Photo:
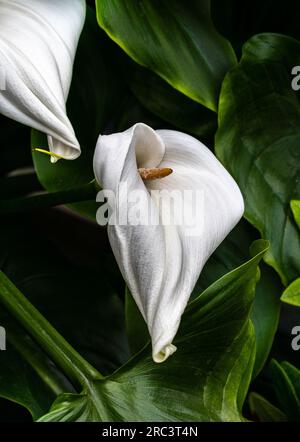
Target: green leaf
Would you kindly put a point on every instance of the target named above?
(206, 379)
(264, 410)
(95, 95)
(19, 383)
(266, 307)
(28, 376)
(45, 200)
(167, 103)
(80, 303)
(291, 295)
(133, 112)
(177, 42)
(294, 375)
(258, 142)
(265, 315)
(62, 291)
(231, 253)
(295, 206)
(285, 381)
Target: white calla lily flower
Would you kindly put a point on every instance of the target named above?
(38, 42)
(161, 263)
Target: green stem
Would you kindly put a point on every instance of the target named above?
(38, 360)
(62, 353)
(45, 200)
(18, 185)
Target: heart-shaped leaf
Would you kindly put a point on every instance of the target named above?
(258, 141)
(266, 307)
(176, 40)
(206, 379)
(167, 103)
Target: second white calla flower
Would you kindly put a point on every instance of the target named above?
(161, 263)
(38, 41)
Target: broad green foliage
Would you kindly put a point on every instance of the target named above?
(291, 295)
(179, 43)
(170, 105)
(170, 65)
(284, 379)
(74, 299)
(206, 379)
(264, 410)
(295, 206)
(286, 383)
(258, 141)
(265, 315)
(266, 307)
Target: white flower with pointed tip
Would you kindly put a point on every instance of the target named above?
(161, 263)
(38, 41)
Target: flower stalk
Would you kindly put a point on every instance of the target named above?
(62, 353)
(86, 192)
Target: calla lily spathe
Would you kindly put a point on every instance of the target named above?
(38, 41)
(161, 263)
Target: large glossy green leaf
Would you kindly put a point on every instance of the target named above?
(266, 307)
(175, 39)
(258, 141)
(79, 302)
(167, 103)
(206, 379)
(132, 112)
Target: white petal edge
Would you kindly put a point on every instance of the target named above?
(38, 41)
(165, 352)
(172, 261)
